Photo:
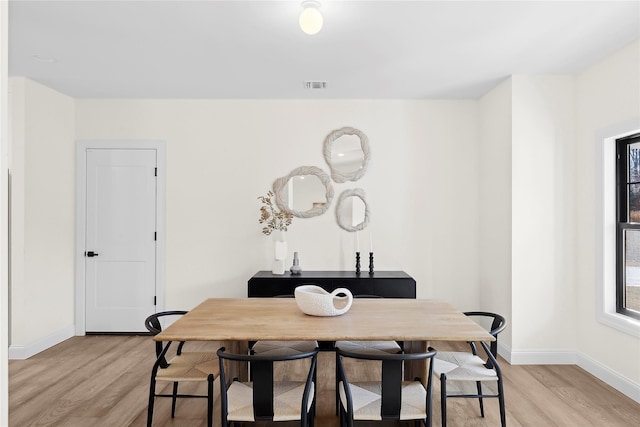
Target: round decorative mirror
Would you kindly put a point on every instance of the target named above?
(346, 151)
(352, 210)
(305, 192)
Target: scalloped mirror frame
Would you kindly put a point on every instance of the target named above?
(366, 150)
(279, 184)
(356, 192)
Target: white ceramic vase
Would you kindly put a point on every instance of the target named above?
(315, 301)
(279, 252)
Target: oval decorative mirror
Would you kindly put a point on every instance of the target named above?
(352, 210)
(347, 152)
(305, 192)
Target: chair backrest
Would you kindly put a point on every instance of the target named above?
(498, 324)
(391, 378)
(262, 373)
(153, 325)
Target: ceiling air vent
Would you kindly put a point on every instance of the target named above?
(315, 85)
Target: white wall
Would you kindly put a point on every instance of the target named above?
(438, 179)
(543, 289)
(42, 165)
(495, 204)
(607, 95)
(223, 154)
(526, 209)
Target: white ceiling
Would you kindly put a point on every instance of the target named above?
(255, 49)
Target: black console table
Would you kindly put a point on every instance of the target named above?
(387, 284)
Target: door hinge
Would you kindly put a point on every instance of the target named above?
(156, 172)
(155, 235)
(155, 300)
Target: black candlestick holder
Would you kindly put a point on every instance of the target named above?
(370, 262)
(357, 262)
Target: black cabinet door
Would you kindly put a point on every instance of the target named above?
(394, 288)
(356, 286)
(271, 287)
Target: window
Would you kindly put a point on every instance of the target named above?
(628, 226)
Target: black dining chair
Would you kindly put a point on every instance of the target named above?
(388, 397)
(367, 347)
(265, 398)
(467, 375)
(185, 366)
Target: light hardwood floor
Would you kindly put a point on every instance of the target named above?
(102, 381)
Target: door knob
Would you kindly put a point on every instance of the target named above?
(90, 254)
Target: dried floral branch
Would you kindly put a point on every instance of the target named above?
(271, 217)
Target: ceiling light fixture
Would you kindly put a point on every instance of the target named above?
(311, 18)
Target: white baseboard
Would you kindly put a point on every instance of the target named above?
(569, 357)
(20, 352)
(542, 357)
(615, 380)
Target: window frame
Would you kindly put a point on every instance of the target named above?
(623, 222)
(605, 229)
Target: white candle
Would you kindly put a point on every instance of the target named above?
(357, 242)
(370, 242)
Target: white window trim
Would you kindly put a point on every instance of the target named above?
(606, 240)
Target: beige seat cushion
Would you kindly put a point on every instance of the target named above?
(463, 370)
(283, 348)
(370, 347)
(190, 367)
(287, 401)
(367, 400)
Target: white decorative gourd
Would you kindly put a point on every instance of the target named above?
(315, 301)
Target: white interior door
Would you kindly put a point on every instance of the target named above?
(120, 249)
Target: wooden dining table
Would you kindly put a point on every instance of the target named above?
(236, 321)
(251, 319)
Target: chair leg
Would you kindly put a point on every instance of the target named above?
(173, 399)
(152, 392)
(343, 422)
(479, 386)
(503, 415)
(443, 398)
(210, 400)
(348, 422)
(337, 390)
